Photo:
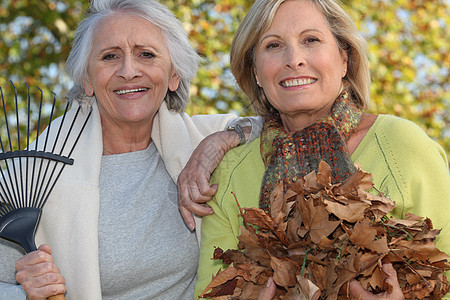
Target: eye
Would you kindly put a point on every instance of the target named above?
(311, 39)
(272, 45)
(147, 54)
(109, 57)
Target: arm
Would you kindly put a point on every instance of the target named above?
(240, 172)
(194, 189)
(218, 230)
(411, 169)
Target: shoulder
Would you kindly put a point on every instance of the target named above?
(236, 157)
(241, 172)
(405, 137)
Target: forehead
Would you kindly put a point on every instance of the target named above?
(298, 13)
(122, 25)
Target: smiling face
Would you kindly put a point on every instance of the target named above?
(299, 65)
(129, 70)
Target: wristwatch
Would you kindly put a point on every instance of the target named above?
(238, 129)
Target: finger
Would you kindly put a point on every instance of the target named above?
(46, 248)
(201, 209)
(43, 293)
(388, 268)
(268, 292)
(41, 281)
(187, 217)
(34, 258)
(357, 291)
(195, 196)
(205, 188)
(392, 280)
(185, 213)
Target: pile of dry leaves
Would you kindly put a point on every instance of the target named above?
(319, 236)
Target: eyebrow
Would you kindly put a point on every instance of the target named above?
(101, 51)
(301, 33)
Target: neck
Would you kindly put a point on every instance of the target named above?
(301, 120)
(124, 139)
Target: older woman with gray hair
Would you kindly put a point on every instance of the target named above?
(112, 220)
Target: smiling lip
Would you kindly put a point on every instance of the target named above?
(127, 91)
(295, 82)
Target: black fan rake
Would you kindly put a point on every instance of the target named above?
(29, 174)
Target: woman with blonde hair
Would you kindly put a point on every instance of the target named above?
(303, 65)
(111, 228)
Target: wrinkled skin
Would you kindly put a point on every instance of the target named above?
(194, 190)
(39, 276)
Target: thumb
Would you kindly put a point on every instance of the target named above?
(268, 292)
(357, 290)
(46, 248)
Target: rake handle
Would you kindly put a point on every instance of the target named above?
(57, 297)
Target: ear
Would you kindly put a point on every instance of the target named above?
(344, 56)
(256, 77)
(174, 81)
(88, 89)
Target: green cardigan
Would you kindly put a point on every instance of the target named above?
(406, 165)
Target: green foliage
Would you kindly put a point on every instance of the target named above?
(409, 46)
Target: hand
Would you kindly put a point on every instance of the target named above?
(194, 190)
(39, 276)
(356, 289)
(268, 292)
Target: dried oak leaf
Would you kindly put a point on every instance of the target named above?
(283, 271)
(366, 237)
(226, 276)
(316, 220)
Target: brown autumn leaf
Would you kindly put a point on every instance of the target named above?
(283, 271)
(366, 237)
(316, 220)
(319, 236)
(351, 212)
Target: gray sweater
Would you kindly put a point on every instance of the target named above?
(146, 250)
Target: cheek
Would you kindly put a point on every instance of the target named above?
(265, 70)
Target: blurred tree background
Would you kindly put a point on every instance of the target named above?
(409, 53)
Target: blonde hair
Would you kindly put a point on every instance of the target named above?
(259, 19)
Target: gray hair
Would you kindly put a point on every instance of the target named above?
(258, 20)
(184, 58)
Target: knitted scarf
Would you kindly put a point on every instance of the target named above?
(290, 156)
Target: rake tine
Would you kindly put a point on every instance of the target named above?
(28, 145)
(60, 128)
(38, 202)
(7, 193)
(21, 192)
(14, 198)
(35, 200)
(32, 191)
(71, 150)
(42, 201)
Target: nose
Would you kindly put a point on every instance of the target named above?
(129, 68)
(295, 57)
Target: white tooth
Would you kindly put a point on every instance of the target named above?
(121, 92)
(298, 82)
